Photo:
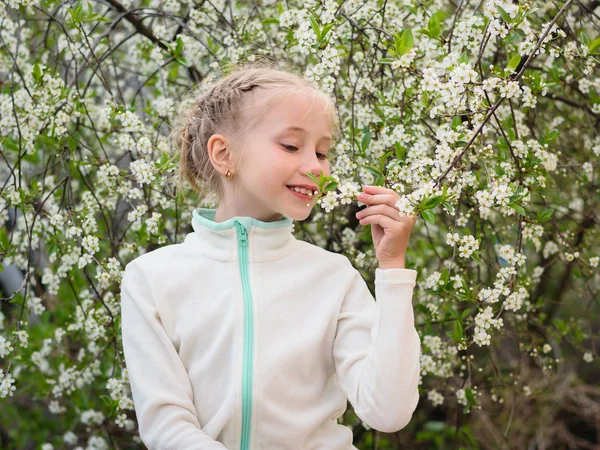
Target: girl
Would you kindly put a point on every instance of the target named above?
(243, 337)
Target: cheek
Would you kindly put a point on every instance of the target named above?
(280, 160)
(273, 171)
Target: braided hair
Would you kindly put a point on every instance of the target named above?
(224, 107)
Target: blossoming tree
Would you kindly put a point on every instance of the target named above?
(484, 116)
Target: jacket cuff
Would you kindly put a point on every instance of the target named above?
(396, 276)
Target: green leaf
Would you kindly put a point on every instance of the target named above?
(413, 9)
(514, 62)
(17, 298)
(454, 313)
(366, 140)
(422, 308)
(584, 38)
(374, 170)
(3, 239)
(518, 208)
(360, 150)
(594, 44)
(324, 32)
(466, 312)
(458, 329)
(516, 197)
(552, 135)
(37, 73)
(464, 58)
(426, 32)
(331, 186)
(406, 42)
(316, 28)
(542, 139)
(74, 12)
(324, 183)
(72, 143)
(469, 395)
(432, 202)
(428, 216)
(400, 151)
(270, 20)
(433, 26)
(394, 164)
(545, 215)
(164, 160)
(178, 48)
(449, 207)
(384, 158)
(106, 399)
(504, 14)
(456, 122)
(312, 177)
(173, 72)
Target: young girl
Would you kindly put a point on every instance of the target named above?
(243, 337)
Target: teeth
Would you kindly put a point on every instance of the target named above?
(303, 191)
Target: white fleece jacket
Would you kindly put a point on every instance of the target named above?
(243, 337)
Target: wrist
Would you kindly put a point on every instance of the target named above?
(396, 264)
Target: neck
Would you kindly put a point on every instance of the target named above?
(223, 213)
(266, 241)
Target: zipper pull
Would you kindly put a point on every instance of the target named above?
(242, 233)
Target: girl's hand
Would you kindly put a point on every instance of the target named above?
(390, 230)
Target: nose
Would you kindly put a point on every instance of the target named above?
(315, 166)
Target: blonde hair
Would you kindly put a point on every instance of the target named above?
(224, 108)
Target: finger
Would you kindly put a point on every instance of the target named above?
(385, 222)
(380, 190)
(378, 199)
(409, 221)
(391, 212)
(393, 222)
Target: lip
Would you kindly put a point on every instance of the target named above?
(305, 186)
(299, 194)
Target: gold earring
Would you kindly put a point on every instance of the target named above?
(229, 175)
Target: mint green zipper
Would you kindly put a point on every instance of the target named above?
(203, 221)
(248, 337)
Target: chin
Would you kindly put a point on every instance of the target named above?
(299, 215)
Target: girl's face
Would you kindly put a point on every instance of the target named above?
(294, 138)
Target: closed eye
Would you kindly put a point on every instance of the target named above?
(322, 156)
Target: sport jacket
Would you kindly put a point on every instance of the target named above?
(243, 337)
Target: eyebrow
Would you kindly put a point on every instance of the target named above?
(302, 130)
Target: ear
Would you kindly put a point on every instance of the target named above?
(219, 152)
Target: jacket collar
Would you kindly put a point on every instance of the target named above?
(267, 241)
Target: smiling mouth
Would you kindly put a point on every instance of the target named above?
(300, 194)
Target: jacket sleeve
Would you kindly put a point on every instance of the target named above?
(377, 349)
(160, 385)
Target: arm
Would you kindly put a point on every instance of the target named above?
(377, 349)
(160, 385)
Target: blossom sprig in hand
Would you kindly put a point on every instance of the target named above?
(389, 229)
(324, 184)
